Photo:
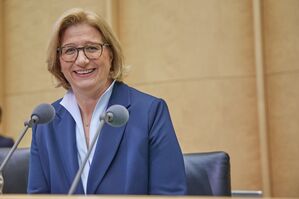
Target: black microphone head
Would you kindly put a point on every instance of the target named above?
(116, 115)
(43, 113)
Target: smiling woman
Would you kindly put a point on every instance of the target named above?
(86, 59)
(85, 74)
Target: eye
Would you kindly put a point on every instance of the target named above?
(69, 50)
(92, 48)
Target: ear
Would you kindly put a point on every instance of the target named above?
(111, 55)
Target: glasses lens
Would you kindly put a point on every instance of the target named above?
(68, 53)
(93, 51)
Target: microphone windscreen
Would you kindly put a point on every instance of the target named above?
(117, 115)
(44, 112)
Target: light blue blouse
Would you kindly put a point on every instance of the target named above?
(70, 103)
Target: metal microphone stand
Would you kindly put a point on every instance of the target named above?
(79, 173)
(28, 124)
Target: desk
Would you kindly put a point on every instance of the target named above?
(24, 196)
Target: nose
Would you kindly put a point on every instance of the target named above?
(81, 58)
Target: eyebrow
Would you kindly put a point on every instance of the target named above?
(75, 45)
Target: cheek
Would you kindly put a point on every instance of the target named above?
(106, 61)
(62, 69)
(64, 66)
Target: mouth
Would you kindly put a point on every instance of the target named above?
(85, 71)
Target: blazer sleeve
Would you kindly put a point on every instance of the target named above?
(37, 182)
(166, 171)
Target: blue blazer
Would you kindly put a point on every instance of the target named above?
(142, 157)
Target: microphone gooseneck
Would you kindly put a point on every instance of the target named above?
(43, 113)
(115, 116)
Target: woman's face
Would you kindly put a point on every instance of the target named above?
(83, 74)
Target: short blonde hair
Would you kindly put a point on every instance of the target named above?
(76, 16)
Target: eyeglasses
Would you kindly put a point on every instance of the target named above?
(91, 51)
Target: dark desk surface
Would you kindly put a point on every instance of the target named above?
(11, 196)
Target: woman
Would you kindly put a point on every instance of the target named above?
(142, 157)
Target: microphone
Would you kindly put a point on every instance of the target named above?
(115, 116)
(42, 114)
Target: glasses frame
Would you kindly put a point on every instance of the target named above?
(83, 48)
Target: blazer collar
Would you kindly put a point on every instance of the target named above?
(65, 126)
(108, 141)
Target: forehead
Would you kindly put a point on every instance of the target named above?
(80, 33)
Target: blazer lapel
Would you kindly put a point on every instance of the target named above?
(65, 127)
(108, 141)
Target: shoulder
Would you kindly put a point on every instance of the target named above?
(59, 113)
(144, 105)
(57, 104)
(153, 103)
(59, 109)
(138, 96)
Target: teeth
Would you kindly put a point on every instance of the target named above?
(84, 71)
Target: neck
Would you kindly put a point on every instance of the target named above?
(87, 100)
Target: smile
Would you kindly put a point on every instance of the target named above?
(84, 72)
